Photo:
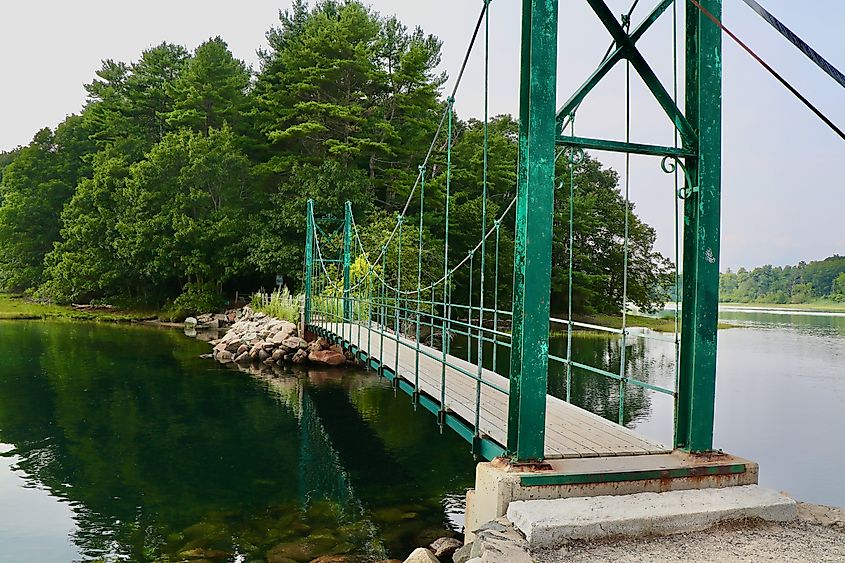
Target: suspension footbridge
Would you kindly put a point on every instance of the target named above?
(479, 360)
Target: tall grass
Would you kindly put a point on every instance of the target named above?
(279, 304)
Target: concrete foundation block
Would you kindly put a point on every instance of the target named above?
(550, 523)
(497, 485)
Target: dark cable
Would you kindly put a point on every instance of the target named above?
(772, 71)
(802, 46)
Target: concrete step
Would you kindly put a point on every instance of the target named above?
(550, 523)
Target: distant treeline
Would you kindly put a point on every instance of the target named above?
(804, 283)
(186, 174)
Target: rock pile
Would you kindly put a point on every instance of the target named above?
(255, 338)
(213, 321)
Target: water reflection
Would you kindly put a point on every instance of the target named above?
(160, 454)
(649, 361)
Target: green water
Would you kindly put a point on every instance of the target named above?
(120, 443)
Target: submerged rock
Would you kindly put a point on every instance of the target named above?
(199, 553)
(302, 551)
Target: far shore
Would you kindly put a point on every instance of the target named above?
(822, 307)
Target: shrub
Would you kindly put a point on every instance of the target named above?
(195, 299)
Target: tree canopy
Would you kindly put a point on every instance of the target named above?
(803, 283)
(186, 174)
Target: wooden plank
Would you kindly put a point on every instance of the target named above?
(571, 432)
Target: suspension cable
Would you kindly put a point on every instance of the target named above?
(445, 113)
(771, 70)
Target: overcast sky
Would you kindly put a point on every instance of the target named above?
(783, 186)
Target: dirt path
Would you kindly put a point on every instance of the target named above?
(818, 535)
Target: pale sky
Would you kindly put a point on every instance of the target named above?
(783, 196)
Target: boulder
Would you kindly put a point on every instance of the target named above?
(269, 362)
(284, 331)
(191, 322)
(259, 316)
(221, 346)
(462, 554)
(336, 348)
(242, 348)
(444, 548)
(224, 357)
(327, 357)
(298, 358)
(268, 346)
(278, 355)
(243, 358)
(263, 355)
(421, 555)
(294, 343)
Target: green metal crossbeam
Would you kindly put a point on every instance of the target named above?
(606, 65)
(626, 49)
(618, 146)
(639, 63)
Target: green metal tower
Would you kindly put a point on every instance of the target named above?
(533, 240)
(699, 128)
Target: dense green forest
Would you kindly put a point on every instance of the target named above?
(805, 283)
(186, 174)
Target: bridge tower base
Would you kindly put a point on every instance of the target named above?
(499, 482)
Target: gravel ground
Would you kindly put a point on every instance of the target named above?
(818, 535)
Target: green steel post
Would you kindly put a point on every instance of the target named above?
(347, 260)
(697, 381)
(309, 257)
(533, 237)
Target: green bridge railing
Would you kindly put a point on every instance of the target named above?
(385, 292)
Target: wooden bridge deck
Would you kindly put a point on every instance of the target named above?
(571, 432)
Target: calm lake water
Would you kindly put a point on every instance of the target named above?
(120, 443)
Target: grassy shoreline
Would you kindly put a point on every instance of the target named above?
(17, 307)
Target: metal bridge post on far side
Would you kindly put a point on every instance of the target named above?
(347, 260)
(309, 258)
(694, 407)
(533, 236)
